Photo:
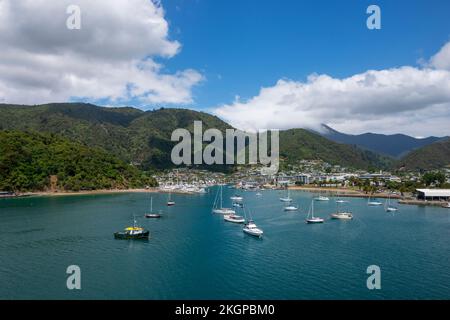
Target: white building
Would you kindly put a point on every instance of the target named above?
(433, 194)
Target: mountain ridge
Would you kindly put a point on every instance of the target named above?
(395, 145)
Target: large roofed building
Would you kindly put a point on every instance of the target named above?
(433, 194)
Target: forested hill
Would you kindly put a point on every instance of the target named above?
(27, 160)
(430, 157)
(143, 137)
(298, 144)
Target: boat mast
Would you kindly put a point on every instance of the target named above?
(221, 197)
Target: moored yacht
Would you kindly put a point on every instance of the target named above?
(234, 218)
(170, 202)
(236, 198)
(250, 226)
(388, 206)
(290, 208)
(322, 198)
(134, 232)
(252, 229)
(310, 218)
(373, 203)
(288, 198)
(152, 214)
(341, 215)
(218, 204)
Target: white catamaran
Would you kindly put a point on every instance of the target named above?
(218, 204)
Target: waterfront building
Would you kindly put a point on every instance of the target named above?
(433, 194)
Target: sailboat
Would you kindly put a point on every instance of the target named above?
(310, 218)
(388, 207)
(218, 204)
(373, 203)
(170, 202)
(151, 214)
(342, 215)
(288, 198)
(251, 228)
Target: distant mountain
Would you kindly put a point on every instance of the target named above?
(433, 156)
(396, 145)
(298, 144)
(27, 160)
(143, 138)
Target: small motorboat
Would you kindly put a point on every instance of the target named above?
(223, 211)
(322, 198)
(252, 229)
(341, 201)
(342, 215)
(290, 208)
(447, 206)
(132, 233)
(236, 198)
(258, 194)
(238, 205)
(234, 218)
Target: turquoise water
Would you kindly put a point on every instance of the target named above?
(193, 254)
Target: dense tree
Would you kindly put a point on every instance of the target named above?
(28, 159)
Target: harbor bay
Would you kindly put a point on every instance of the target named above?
(192, 253)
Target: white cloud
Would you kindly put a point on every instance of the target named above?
(407, 99)
(111, 58)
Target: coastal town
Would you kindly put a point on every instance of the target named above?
(427, 188)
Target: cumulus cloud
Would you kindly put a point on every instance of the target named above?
(112, 57)
(407, 99)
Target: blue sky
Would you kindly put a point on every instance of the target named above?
(241, 46)
(254, 63)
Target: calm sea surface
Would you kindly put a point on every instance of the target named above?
(193, 254)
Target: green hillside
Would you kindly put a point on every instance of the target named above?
(27, 160)
(430, 157)
(143, 138)
(298, 144)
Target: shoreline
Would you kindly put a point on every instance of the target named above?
(83, 193)
(345, 192)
